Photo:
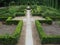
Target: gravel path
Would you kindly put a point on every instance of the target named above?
(35, 35)
(29, 37)
(19, 18)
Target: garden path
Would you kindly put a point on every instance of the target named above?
(29, 34)
(27, 37)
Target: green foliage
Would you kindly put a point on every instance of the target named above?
(46, 11)
(17, 32)
(47, 21)
(11, 11)
(36, 10)
(9, 21)
(9, 18)
(3, 19)
(40, 30)
(12, 39)
(46, 39)
(20, 14)
(50, 12)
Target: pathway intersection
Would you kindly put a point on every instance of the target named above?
(29, 35)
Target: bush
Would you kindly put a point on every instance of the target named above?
(12, 39)
(20, 14)
(40, 30)
(3, 18)
(47, 20)
(9, 21)
(36, 11)
(17, 32)
(45, 11)
(46, 39)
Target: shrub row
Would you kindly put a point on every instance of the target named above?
(11, 11)
(9, 21)
(20, 14)
(47, 20)
(3, 18)
(41, 33)
(51, 12)
(45, 11)
(17, 32)
(12, 39)
(44, 37)
(36, 11)
(37, 14)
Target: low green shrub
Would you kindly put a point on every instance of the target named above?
(20, 14)
(45, 11)
(9, 21)
(17, 32)
(3, 18)
(40, 30)
(12, 10)
(12, 22)
(9, 18)
(12, 39)
(36, 11)
(47, 20)
(46, 39)
(37, 14)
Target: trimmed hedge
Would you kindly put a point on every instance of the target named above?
(45, 39)
(11, 11)
(36, 10)
(17, 32)
(45, 11)
(3, 18)
(39, 29)
(9, 21)
(12, 39)
(47, 20)
(37, 14)
(20, 14)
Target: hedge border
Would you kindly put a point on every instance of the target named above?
(45, 39)
(12, 39)
(36, 14)
(20, 14)
(47, 20)
(3, 18)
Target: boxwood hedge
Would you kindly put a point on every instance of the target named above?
(47, 20)
(12, 39)
(20, 14)
(45, 11)
(3, 18)
(45, 39)
(10, 21)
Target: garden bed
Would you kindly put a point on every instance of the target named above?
(6, 29)
(10, 31)
(49, 33)
(53, 29)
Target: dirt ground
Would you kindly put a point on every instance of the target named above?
(7, 29)
(53, 29)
